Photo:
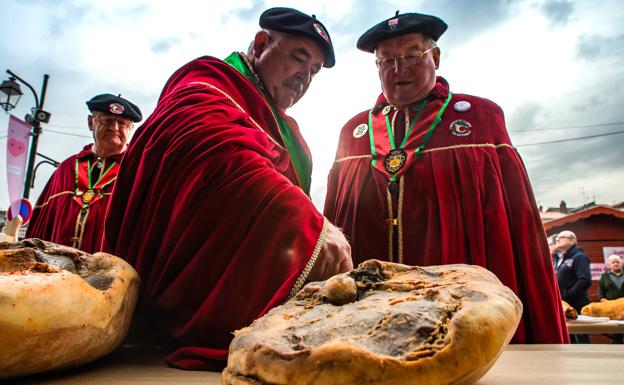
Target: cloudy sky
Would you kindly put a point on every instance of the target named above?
(554, 66)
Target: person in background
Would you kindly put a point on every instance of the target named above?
(429, 177)
(211, 205)
(573, 275)
(611, 284)
(71, 208)
(552, 247)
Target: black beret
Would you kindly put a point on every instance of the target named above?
(294, 22)
(398, 25)
(115, 105)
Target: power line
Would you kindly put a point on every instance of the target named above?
(570, 139)
(570, 127)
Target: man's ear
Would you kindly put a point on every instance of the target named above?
(260, 44)
(436, 57)
(90, 122)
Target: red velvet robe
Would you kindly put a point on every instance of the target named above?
(56, 216)
(208, 210)
(467, 199)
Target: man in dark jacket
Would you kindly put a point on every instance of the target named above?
(573, 274)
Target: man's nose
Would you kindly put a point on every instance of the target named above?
(399, 65)
(117, 124)
(306, 75)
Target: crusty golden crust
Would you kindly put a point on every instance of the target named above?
(614, 309)
(60, 307)
(569, 311)
(408, 325)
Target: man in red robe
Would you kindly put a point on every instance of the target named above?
(71, 208)
(211, 204)
(429, 177)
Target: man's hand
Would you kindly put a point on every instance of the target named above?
(334, 258)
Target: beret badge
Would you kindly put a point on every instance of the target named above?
(393, 23)
(321, 31)
(116, 108)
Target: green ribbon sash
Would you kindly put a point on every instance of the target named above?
(300, 160)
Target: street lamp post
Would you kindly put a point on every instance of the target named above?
(11, 89)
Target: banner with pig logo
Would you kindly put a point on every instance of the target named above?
(17, 157)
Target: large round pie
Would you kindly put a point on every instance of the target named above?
(382, 323)
(60, 307)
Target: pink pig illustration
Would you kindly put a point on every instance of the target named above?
(16, 147)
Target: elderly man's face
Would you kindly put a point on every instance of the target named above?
(564, 241)
(616, 265)
(411, 75)
(110, 132)
(286, 65)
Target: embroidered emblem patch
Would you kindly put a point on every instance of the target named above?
(116, 108)
(393, 23)
(360, 130)
(461, 128)
(461, 106)
(395, 160)
(321, 31)
(87, 196)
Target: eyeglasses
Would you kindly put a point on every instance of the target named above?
(109, 121)
(563, 236)
(412, 58)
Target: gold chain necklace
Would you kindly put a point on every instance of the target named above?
(252, 70)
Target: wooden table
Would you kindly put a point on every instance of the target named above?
(607, 327)
(519, 364)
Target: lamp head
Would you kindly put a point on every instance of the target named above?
(10, 94)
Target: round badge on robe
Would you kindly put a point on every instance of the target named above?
(87, 196)
(460, 128)
(395, 160)
(386, 110)
(360, 130)
(462, 106)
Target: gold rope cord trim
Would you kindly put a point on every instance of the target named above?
(456, 147)
(241, 109)
(317, 250)
(52, 197)
(462, 146)
(79, 229)
(390, 224)
(400, 217)
(352, 157)
(82, 225)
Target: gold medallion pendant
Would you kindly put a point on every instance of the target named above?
(87, 196)
(395, 160)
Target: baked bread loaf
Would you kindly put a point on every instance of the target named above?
(383, 323)
(569, 311)
(60, 307)
(614, 309)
